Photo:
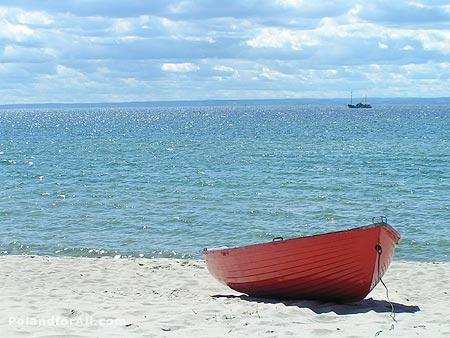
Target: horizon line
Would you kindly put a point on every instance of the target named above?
(221, 100)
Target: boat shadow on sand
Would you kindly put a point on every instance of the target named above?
(363, 306)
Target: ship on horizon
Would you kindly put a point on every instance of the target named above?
(363, 104)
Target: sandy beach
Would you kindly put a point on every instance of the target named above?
(105, 297)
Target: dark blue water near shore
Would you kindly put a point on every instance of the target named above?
(169, 181)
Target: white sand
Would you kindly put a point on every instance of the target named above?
(83, 297)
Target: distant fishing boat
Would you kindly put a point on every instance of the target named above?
(363, 104)
(341, 266)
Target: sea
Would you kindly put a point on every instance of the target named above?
(170, 180)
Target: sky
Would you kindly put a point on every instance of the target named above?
(143, 50)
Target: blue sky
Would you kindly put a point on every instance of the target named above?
(138, 50)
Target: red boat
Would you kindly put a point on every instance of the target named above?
(342, 266)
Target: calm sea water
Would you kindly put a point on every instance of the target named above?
(166, 182)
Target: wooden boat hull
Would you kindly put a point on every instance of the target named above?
(341, 266)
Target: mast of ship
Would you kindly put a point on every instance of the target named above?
(351, 97)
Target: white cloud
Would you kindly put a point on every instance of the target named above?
(15, 32)
(435, 40)
(122, 26)
(334, 33)
(34, 18)
(226, 69)
(279, 38)
(52, 50)
(290, 3)
(180, 67)
(221, 68)
(272, 74)
(64, 72)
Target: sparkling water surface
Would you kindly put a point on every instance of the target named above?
(168, 181)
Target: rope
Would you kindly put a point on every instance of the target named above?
(379, 251)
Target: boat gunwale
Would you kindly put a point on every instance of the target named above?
(388, 227)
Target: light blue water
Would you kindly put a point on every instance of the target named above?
(170, 181)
